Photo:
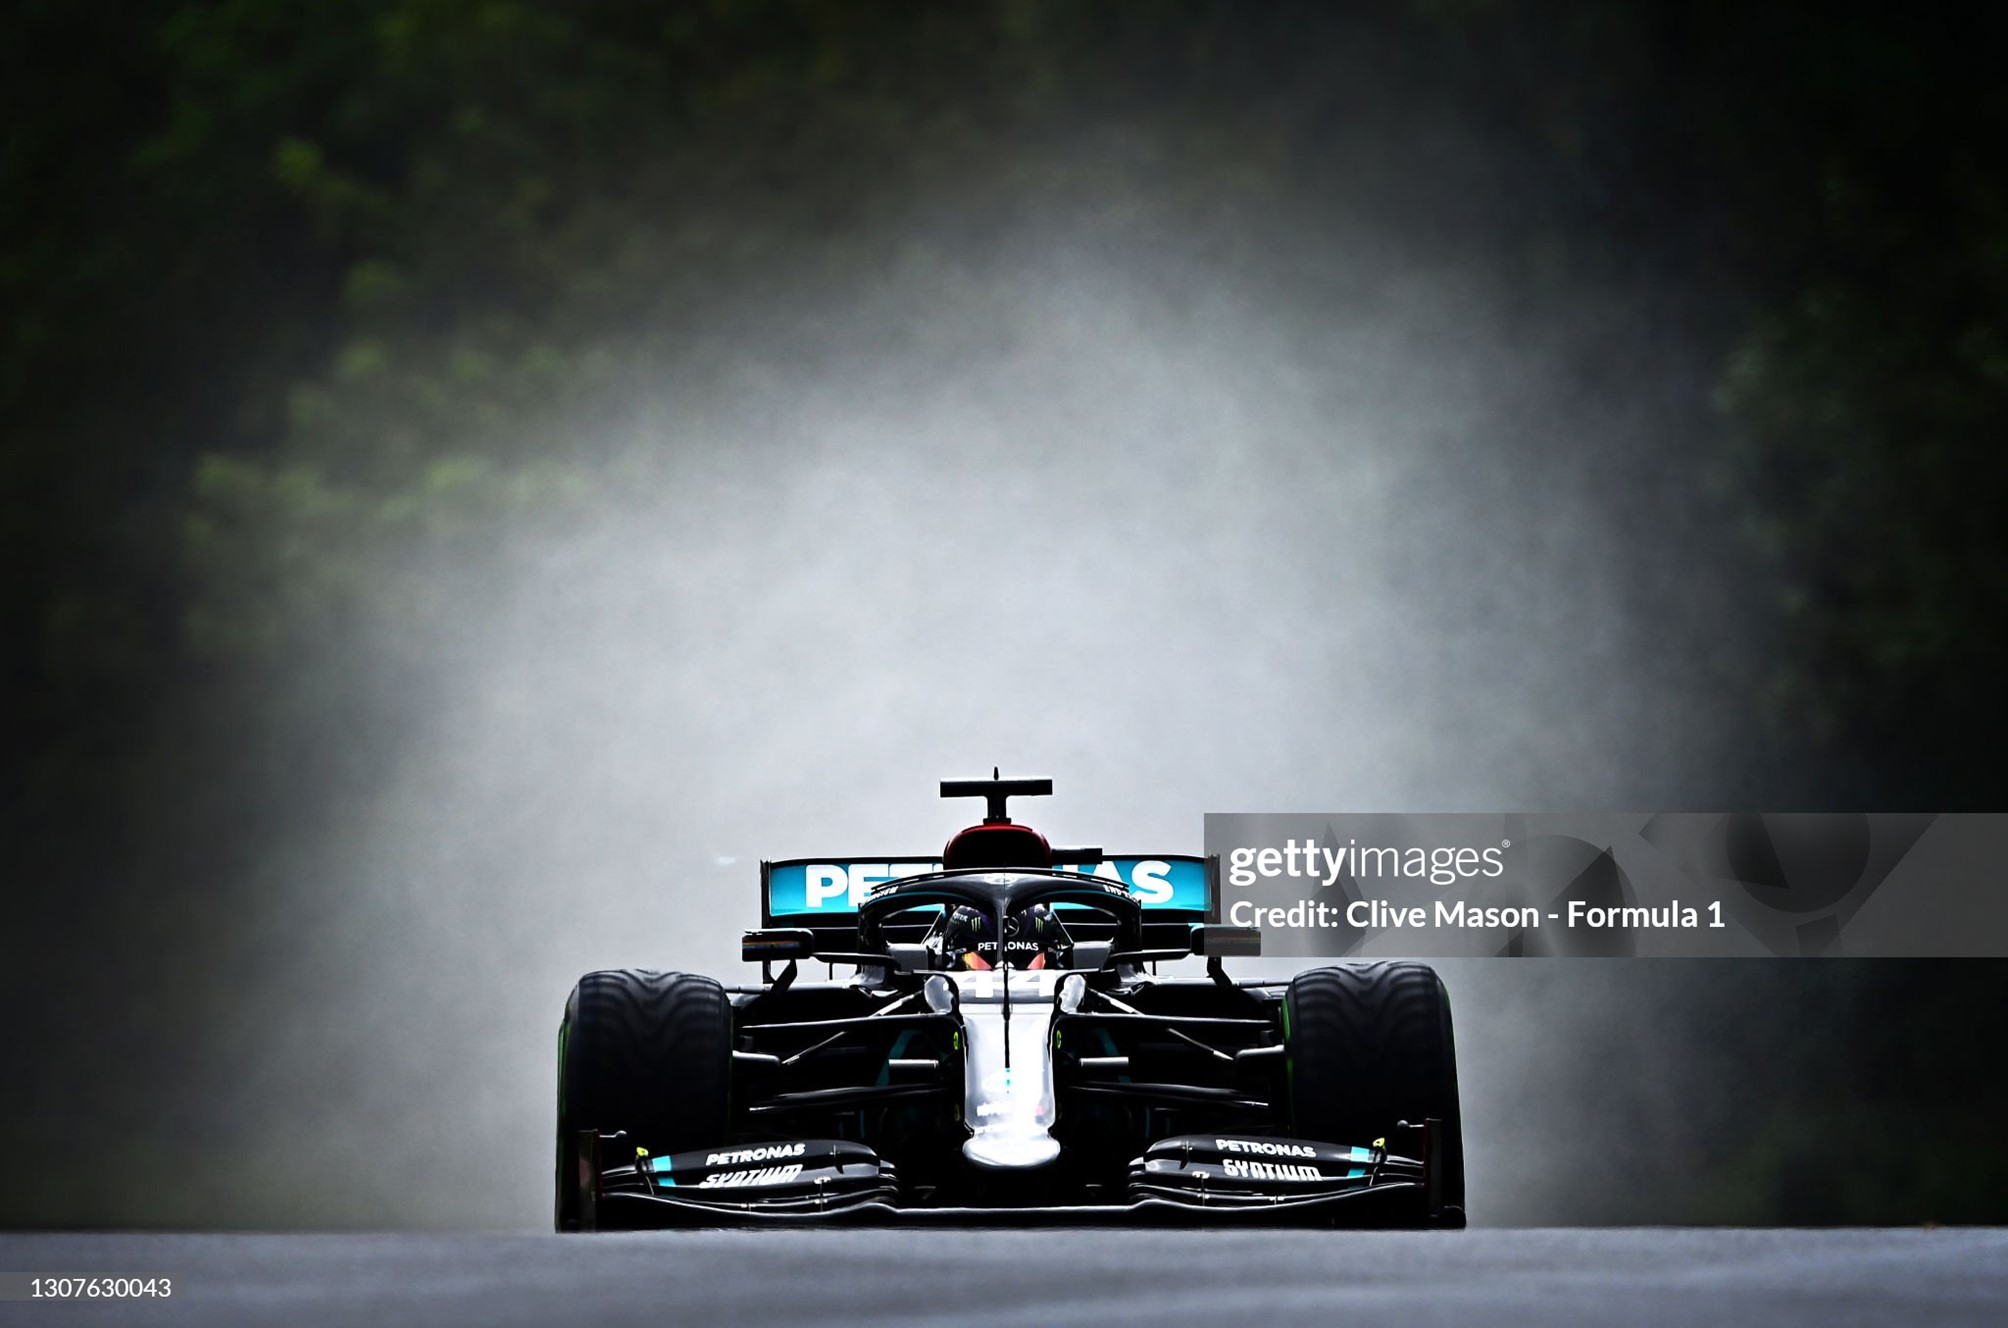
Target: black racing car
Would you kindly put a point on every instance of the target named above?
(1005, 1052)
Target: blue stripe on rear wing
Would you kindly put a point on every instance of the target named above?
(829, 890)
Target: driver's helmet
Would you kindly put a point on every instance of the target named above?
(1040, 925)
(969, 931)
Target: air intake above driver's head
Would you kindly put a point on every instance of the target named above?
(997, 846)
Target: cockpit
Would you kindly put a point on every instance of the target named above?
(965, 938)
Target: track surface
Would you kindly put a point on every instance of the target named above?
(1239, 1279)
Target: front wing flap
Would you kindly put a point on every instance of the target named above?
(1202, 1180)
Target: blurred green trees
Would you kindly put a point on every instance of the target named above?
(288, 287)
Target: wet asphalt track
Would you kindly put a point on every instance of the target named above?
(1240, 1279)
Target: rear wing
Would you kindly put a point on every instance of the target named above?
(824, 893)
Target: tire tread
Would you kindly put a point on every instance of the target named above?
(648, 1052)
(1371, 1044)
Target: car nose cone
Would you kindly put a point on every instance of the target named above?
(1011, 1150)
(1008, 1094)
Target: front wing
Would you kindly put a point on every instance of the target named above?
(1189, 1180)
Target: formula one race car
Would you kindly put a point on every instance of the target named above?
(1005, 1052)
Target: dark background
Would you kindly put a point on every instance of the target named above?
(480, 475)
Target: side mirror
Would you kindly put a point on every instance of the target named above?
(1215, 941)
(782, 943)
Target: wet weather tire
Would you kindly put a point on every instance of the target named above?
(645, 1052)
(1369, 1045)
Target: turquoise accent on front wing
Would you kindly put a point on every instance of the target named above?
(662, 1176)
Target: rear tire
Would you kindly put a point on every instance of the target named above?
(645, 1052)
(1370, 1045)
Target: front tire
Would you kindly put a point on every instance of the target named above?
(1370, 1045)
(645, 1052)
